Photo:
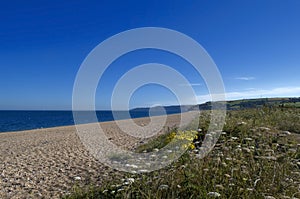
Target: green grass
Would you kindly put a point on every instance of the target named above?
(253, 158)
(291, 104)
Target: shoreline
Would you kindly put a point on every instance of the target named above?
(49, 162)
(69, 125)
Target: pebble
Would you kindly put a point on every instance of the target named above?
(77, 178)
(286, 132)
(214, 194)
(269, 197)
(264, 128)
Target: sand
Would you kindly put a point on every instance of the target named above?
(47, 163)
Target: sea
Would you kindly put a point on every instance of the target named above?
(27, 120)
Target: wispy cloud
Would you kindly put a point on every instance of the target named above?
(256, 93)
(245, 78)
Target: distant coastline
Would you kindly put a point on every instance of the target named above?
(14, 120)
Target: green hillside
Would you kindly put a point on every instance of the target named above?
(253, 103)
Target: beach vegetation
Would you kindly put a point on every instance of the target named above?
(257, 156)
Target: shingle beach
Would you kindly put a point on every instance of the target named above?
(47, 163)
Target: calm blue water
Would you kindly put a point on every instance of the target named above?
(26, 120)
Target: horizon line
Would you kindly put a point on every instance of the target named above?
(229, 100)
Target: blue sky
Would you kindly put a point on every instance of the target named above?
(254, 43)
